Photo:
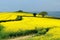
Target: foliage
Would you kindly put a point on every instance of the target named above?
(34, 14)
(19, 18)
(41, 31)
(1, 27)
(37, 31)
(15, 34)
(19, 11)
(43, 13)
(22, 33)
(1, 30)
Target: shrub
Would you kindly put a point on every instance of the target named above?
(21, 33)
(1, 27)
(19, 18)
(1, 30)
(34, 14)
(42, 31)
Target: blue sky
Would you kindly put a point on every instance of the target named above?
(30, 5)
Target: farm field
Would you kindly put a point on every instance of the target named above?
(30, 23)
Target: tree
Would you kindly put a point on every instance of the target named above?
(34, 14)
(19, 11)
(43, 13)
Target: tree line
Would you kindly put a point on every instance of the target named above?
(43, 13)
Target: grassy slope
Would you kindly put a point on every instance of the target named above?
(29, 23)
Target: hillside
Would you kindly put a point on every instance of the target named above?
(30, 23)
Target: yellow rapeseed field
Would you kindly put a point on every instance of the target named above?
(29, 23)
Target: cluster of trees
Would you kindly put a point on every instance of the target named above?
(41, 13)
(19, 11)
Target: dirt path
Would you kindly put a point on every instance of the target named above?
(22, 37)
